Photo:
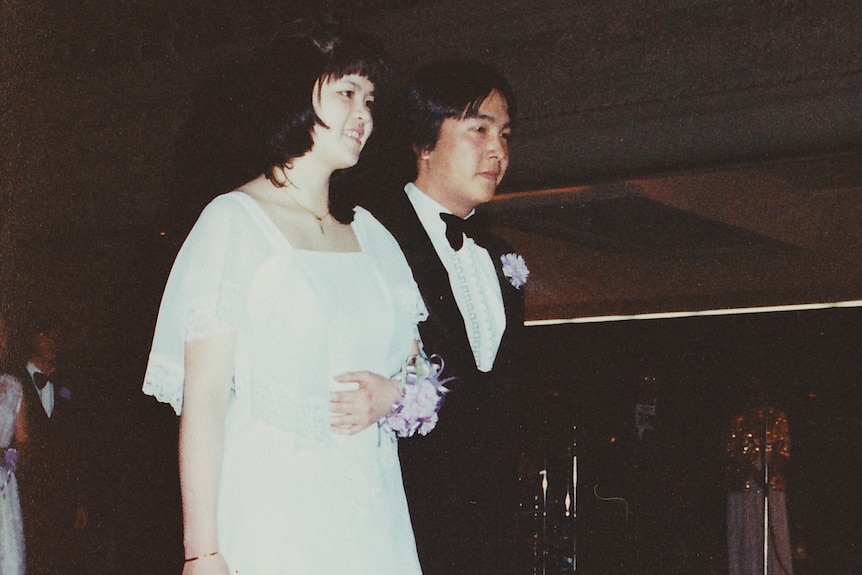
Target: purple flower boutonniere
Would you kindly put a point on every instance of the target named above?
(515, 269)
(65, 393)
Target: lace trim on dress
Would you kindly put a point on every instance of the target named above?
(10, 383)
(5, 378)
(308, 417)
(164, 381)
(201, 323)
(11, 391)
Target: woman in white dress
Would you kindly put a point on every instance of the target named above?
(274, 314)
(12, 431)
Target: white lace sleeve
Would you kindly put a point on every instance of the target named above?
(202, 298)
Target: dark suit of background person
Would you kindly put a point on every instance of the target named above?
(461, 479)
(49, 478)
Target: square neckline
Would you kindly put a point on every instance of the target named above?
(273, 229)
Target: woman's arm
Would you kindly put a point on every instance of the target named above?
(208, 377)
(355, 410)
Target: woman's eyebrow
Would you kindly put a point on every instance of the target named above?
(357, 85)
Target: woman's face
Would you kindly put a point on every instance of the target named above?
(344, 106)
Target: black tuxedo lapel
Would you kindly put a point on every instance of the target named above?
(513, 298)
(62, 400)
(445, 323)
(445, 329)
(36, 416)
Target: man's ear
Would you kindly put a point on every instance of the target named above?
(422, 154)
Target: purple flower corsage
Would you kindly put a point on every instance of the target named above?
(8, 465)
(422, 394)
(10, 459)
(515, 269)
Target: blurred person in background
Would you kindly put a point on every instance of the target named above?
(13, 436)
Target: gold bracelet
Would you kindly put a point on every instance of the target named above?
(190, 559)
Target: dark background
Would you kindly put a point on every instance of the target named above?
(672, 482)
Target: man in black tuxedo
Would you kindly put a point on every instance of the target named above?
(461, 479)
(49, 478)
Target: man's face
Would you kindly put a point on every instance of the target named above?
(470, 158)
(47, 345)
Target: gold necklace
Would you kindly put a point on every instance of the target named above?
(314, 215)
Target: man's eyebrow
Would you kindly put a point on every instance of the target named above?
(492, 119)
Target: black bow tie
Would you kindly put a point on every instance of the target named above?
(457, 228)
(40, 379)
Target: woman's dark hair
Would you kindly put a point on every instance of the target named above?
(281, 114)
(253, 111)
(449, 89)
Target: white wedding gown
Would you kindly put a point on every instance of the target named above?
(295, 498)
(11, 528)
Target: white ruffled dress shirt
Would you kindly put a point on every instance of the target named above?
(473, 278)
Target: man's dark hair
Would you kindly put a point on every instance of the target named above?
(449, 89)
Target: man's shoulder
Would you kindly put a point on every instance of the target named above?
(388, 205)
(394, 210)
